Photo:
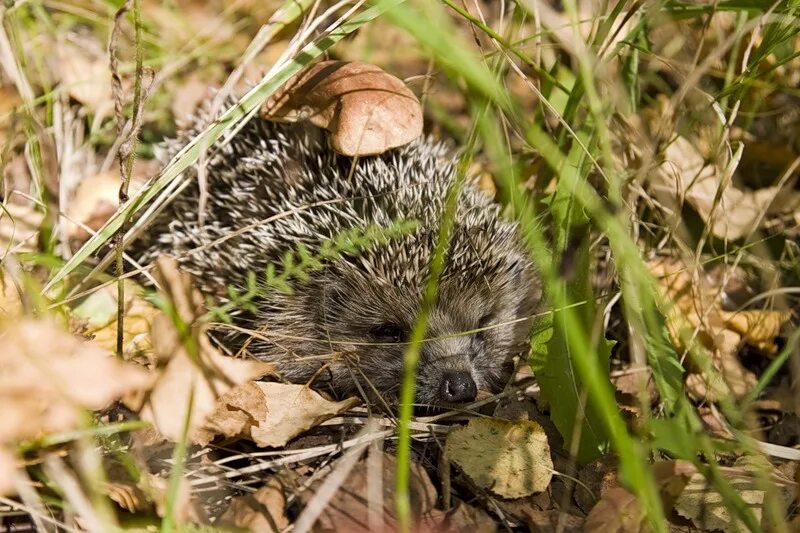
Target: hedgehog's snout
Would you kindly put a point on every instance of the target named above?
(448, 370)
(458, 387)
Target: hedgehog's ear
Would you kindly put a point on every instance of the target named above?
(330, 303)
(519, 264)
(338, 292)
(334, 293)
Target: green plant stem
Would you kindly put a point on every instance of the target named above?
(773, 369)
(127, 154)
(100, 431)
(168, 524)
(505, 44)
(411, 356)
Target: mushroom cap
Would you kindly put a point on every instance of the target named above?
(367, 110)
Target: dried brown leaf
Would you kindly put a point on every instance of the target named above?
(616, 512)
(183, 20)
(94, 201)
(235, 413)
(549, 522)
(83, 69)
(260, 511)
(271, 414)
(9, 99)
(292, 410)
(47, 376)
(17, 180)
(732, 212)
(367, 110)
(196, 374)
(697, 320)
(512, 459)
(203, 379)
(714, 423)
(672, 477)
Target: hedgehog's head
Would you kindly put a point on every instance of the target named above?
(480, 320)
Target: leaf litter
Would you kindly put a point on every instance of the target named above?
(239, 424)
(698, 324)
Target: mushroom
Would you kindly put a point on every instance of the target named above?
(366, 110)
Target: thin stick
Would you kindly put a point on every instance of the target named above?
(127, 148)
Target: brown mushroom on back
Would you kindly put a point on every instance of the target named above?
(367, 110)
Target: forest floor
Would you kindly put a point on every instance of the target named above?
(650, 152)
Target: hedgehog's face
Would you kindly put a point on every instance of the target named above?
(477, 325)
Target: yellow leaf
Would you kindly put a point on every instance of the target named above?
(512, 459)
(758, 327)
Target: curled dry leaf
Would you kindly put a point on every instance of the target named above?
(367, 110)
(634, 386)
(732, 212)
(203, 379)
(270, 414)
(553, 520)
(260, 511)
(127, 495)
(47, 376)
(696, 299)
(195, 374)
(758, 328)
(512, 459)
(140, 491)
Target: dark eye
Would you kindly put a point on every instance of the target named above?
(388, 332)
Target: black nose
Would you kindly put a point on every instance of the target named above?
(458, 387)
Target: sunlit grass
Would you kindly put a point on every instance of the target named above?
(580, 89)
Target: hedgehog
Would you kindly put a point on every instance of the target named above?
(345, 327)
